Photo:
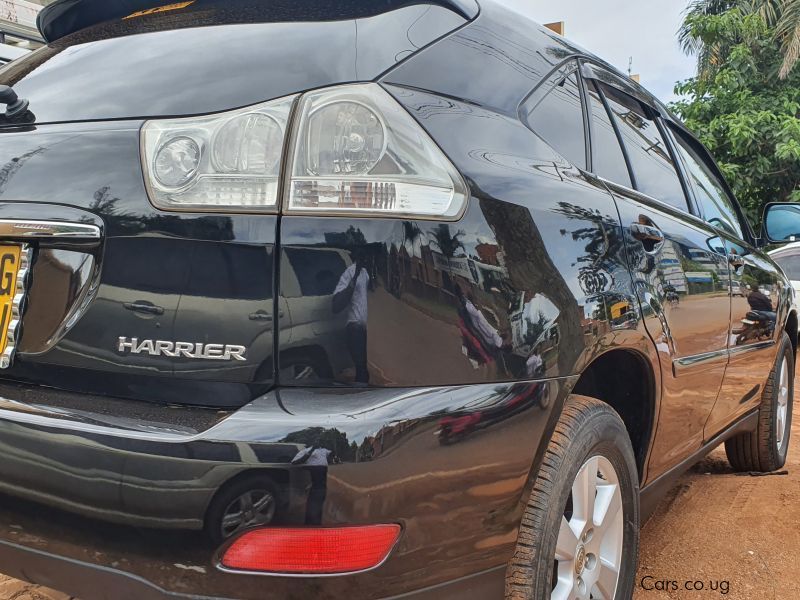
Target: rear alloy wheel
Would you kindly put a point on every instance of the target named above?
(579, 536)
(764, 450)
(588, 557)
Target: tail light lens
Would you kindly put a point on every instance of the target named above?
(358, 151)
(354, 151)
(327, 551)
(225, 162)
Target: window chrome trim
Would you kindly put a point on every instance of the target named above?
(654, 202)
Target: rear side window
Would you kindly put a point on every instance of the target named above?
(651, 161)
(555, 112)
(709, 191)
(608, 161)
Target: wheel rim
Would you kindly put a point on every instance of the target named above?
(783, 404)
(254, 507)
(588, 555)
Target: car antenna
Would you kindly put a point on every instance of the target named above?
(15, 105)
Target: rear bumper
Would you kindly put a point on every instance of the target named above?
(105, 510)
(84, 580)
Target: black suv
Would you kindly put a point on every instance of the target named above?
(407, 299)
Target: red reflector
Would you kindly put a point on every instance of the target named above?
(325, 551)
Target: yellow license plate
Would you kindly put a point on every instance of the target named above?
(9, 268)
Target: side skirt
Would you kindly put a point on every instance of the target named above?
(654, 491)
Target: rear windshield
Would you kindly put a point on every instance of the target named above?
(205, 59)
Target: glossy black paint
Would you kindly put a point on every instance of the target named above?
(90, 172)
(211, 57)
(114, 493)
(539, 254)
(477, 330)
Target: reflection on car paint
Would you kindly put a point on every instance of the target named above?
(145, 502)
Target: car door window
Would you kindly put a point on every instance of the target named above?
(709, 192)
(608, 161)
(555, 112)
(651, 161)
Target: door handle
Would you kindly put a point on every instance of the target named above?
(144, 307)
(736, 261)
(650, 236)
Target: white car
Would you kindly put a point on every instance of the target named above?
(788, 257)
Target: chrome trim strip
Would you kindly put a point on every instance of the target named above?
(698, 362)
(30, 229)
(17, 307)
(688, 361)
(737, 350)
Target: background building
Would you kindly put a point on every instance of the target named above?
(18, 25)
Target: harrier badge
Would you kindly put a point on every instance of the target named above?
(182, 349)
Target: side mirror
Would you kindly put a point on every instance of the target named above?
(782, 222)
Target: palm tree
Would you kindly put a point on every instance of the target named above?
(707, 55)
(788, 30)
(782, 15)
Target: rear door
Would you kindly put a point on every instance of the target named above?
(678, 262)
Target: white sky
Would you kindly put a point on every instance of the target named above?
(615, 30)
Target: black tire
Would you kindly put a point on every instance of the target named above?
(587, 428)
(759, 450)
(230, 493)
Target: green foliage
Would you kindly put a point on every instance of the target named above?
(742, 110)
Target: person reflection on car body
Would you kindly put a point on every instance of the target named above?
(534, 366)
(351, 293)
(479, 328)
(315, 461)
(760, 321)
(759, 301)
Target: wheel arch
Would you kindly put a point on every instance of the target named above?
(626, 380)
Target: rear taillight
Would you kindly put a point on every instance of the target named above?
(321, 551)
(223, 162)
(357, 151)
(354, 151)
